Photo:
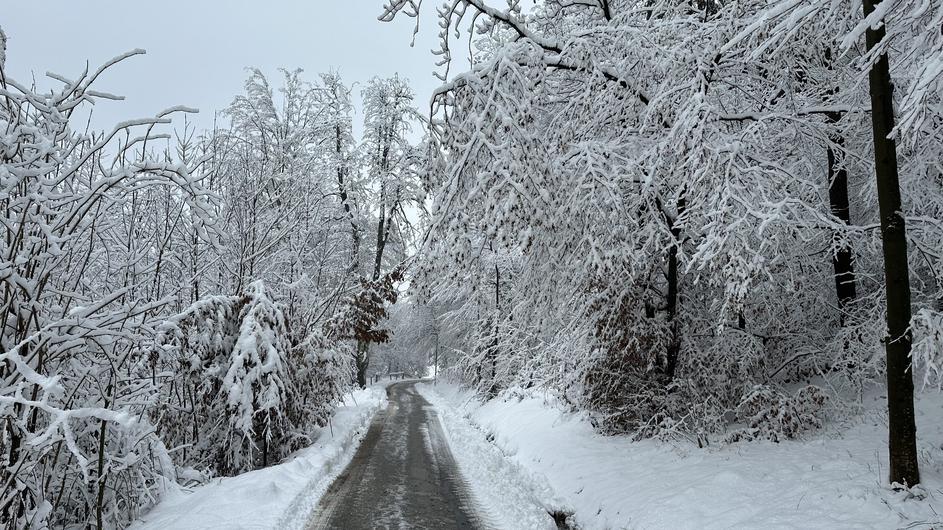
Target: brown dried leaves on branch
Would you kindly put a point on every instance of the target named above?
(361, 313)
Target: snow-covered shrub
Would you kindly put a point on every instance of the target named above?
(322, 375)
(635, 401)
(856, 358)
(98, 463)
(257, 383)
(928, 345)
(774, 415)
(246, 392)
(76, 448)
(621, 387)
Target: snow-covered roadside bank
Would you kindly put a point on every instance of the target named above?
(281, 496)
(506, 494)
(831, 480)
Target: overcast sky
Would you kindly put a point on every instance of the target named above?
(197, 50)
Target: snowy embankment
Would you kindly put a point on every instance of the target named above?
(281, 496)
(832, 479)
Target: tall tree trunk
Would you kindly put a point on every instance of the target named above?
(383, 234)
(674, 341)
(345, 200)
(362, 354)
(843, 259)
(493, 353)
(902, 435)
(362, 360)
(674, 347)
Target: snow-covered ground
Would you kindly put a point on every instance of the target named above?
(277, 497)
(553, 460)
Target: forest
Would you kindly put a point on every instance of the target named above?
(709, 222)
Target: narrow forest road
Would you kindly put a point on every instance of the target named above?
(402, 476)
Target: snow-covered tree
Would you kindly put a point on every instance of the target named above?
(173, 291)
(76, 446)
(659, 209)
(390, 165)
(249, 395)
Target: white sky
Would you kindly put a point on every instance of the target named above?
(197, 50)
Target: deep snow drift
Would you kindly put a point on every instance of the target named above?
(832, 479)
(281, 496)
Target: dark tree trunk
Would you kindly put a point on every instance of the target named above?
(843, 261)
(671, 359)
(100, 472)
(493, 354)
(102, 481)
(649, 309)
(345, 201)
(361, 357)
(362, 360)
(674, 344)
(902, 435)
(264, 451)
(381, 237)
(384, 223)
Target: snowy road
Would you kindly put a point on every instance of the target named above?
(402, 476)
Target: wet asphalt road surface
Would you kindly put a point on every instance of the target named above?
(402, 476)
